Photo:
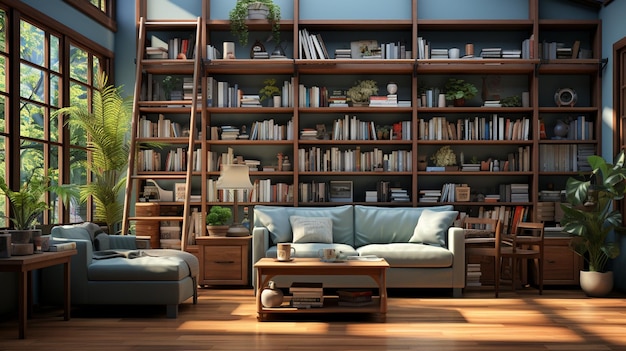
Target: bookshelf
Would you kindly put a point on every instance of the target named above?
(517, 30)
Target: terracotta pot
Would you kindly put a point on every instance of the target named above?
(217, 230)
(596, 284)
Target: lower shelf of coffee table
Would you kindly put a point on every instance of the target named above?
(331, 305)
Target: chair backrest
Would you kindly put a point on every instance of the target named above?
(484, 227)
(527, 233)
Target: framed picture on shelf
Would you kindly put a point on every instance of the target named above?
(179, 192)
(340, 191)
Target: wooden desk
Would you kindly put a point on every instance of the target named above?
(24, 265)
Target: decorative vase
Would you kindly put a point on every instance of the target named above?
(277, 101)
(271, 296)
(422, 162)
(392, 88)
(596, 284)
(217, 230)
(560, 130)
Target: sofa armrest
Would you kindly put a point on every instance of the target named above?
(51, 277)
(456, 244)
(260, 245)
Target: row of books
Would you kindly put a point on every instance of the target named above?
(494, 127)
(226, 94)
(352, 128)
(515, 192)
(173, 48)
(316, 159)
(565, 157)
(580, 128)
(162, 128)
(263, 190)
(509, 216)
(557, 50)
(173, 161)
(425, 50)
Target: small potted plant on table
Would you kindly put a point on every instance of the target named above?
(216, 220)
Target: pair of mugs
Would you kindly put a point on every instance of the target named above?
(284, 252)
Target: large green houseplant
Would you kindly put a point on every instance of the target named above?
(589, 215)
(239, 14)
(107, 125)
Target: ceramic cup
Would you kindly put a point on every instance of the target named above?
(284, 252)
(454, 53)
(328, 254)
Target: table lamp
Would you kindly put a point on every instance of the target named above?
(235, 177)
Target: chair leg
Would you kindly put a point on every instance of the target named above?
(540, 275)
(496, 276)
(513, 273)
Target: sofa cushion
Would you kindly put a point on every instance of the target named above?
(432, 227)
(143, 268)
(410, 255)
(311, 229)
(276, 220)
(381, 225)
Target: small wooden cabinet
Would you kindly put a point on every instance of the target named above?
(562, 265)
(224, 260)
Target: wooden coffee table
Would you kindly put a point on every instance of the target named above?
(268, 268)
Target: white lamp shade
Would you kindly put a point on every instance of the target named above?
(233, 177)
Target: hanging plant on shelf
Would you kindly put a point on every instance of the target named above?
(239, 14)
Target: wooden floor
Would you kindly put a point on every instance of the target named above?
(416, 320)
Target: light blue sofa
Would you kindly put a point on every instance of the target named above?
(432, 256)
(109, 270)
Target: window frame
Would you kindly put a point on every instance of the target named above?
(105, 18)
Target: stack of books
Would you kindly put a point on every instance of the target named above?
(473, 274)
(306, 295)
(439, 53)
(427, 195)
(343, 53)
(491, 53)
(354, 297)
(399, 195)
(260, 55)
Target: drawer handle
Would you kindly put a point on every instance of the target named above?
(224, 262)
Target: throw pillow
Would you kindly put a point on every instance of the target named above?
(432, 227)
(311, 229)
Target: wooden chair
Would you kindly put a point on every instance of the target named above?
(526, 243)
(483, 238)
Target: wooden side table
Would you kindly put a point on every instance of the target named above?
(224, 260)
(23, 266)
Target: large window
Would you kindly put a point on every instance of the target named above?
(52, 69)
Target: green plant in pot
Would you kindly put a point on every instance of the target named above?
(239, 14)
(459, 90)
(28, 203)
(589, 216)
(107, 124)
(269, 90)
(361, 91)
(217, 220)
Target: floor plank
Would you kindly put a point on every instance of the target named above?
(225, 319)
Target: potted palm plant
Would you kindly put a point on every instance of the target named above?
(28, 203)
(240, 13)
(107, 125)
(589, 216)
(216, 220)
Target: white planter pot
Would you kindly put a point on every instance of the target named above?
(596, 284)
(257, 11)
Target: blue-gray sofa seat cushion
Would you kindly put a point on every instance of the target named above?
(410, 254)
(143, 268)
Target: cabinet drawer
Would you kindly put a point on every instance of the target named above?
(560, 264)
(222, 263)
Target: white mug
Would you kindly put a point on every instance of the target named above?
(328, 254)
(454, 53)
(284, 252)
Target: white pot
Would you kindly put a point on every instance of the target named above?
(257, 11)
(596, 284)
